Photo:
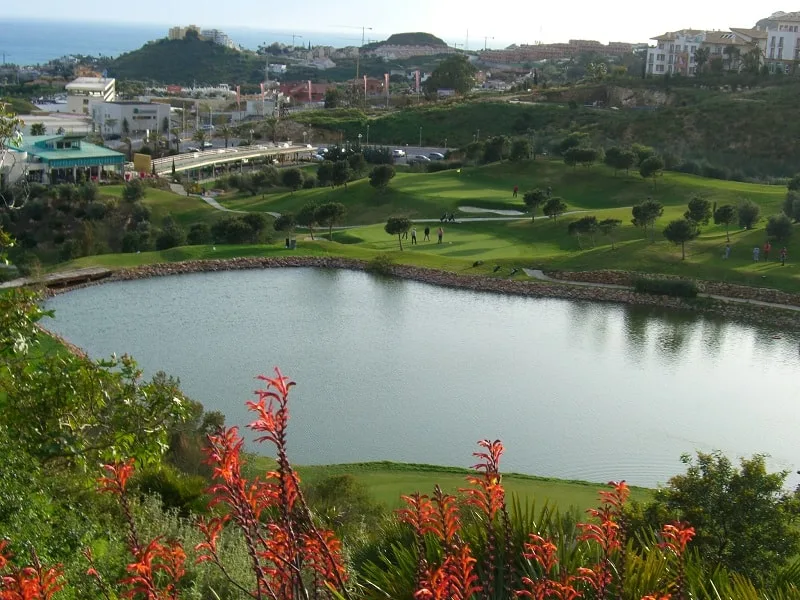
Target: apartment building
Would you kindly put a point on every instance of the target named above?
(141, 117)
(782, 41)
(675, 52)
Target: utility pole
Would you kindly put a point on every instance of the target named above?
(294, 37)
(485, 39)
(358, 56)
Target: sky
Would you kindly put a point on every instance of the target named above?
(520, 21)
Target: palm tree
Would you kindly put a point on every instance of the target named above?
(176, 136)
(226, 132)
(111, 124)
(200, 137)
(129, 142)
(126, 127)
(701, 57)
(732, 54)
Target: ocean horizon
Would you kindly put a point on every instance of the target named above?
(34, 42)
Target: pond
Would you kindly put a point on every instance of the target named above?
(398, 370)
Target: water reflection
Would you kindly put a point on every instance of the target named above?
(398, 370)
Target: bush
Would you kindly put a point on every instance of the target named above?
(381, 264)
(185, 493)
(679, 288)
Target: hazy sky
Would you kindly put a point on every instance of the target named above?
(521, 21)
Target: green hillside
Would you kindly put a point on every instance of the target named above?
(745, 134)
(188, 61)
(414, 39)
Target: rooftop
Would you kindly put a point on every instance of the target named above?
(90, 83)
(756, 34)
(36, 145)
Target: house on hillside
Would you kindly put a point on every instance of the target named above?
(301, 92)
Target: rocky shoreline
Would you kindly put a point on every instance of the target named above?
(783, 319)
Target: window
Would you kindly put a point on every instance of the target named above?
(661, 46)
(780, 42)
(671, 58)
(772, 41)
(659, 68)
(650, 58)
(685, 48)
(672, 47)
(772, 52)
(780, 53)
(660, 57)
(649, 68)
(694, 49)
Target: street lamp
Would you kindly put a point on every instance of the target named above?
(367, 134)
(304, 137)
(251, 136)
(359, 140)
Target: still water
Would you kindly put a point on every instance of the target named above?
(399, 370)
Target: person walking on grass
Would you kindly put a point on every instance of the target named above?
(414, 236)
(727, 253)
(427, 232)
(516, 190)
(441, 233)
(767, 248)
(783, 256)
(756, 250)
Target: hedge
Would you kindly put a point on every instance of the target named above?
(680, 288)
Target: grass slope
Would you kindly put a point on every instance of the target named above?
(387, 481)
(543, 243)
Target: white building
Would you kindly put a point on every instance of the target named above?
(142, 117)
(782, 41)
(675, 52)
(81, 91)
(218, 37)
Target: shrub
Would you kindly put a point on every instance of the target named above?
(679, 288)
(382, 264)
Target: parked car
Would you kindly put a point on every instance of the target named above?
(317, 157)
(398, 153)
(207, 145)
(322, 150)
(436, 156)
(419, 158)
(192, 149)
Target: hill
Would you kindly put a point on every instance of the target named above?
(740, 133)
(414, 39)
(188, 61)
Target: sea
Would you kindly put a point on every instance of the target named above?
(34, 42)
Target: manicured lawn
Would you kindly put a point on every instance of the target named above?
(185, 210)
(518, 243)
(388, 481)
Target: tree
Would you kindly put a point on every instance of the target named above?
(580, 155)
(357, 162)
(171, 235)
(794, 183)
(292, 178)
(341, 173)
(200, 137)
(329, 214)
(165, 126)
(38, 129)
(651, 167)
(573, 140)
(554, 207)
(133, 191)
(496, 149)
(533, 200)
(725, 215)
(607, 227)
(716, 65)
(380, 176)
(126, 127)
(732, 55)
(226, 132)
(176, 137)
(325, 173)
(642, 152)
(397, 226)
(454, 73)
(521, 150)
(701, 57)
(699, 211)
(110, 124)
(779, 227)
(645, 215)
(749, 214)
(307, 217)
(583, 226)
(286, 222)
(333, 98)
(199, 234)
(618, 159)
(743, 517)
(681, 231)
(791, 205)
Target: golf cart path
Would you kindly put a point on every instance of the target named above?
(539, 274)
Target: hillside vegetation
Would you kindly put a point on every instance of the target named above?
(414, 39)
(744, 134)
(188, 61)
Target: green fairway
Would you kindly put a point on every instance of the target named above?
(388, 481)
(514, 243)
(184, 209)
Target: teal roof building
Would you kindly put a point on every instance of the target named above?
(68, 158)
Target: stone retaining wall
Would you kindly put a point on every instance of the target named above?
(718, 288)
(537, 289)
